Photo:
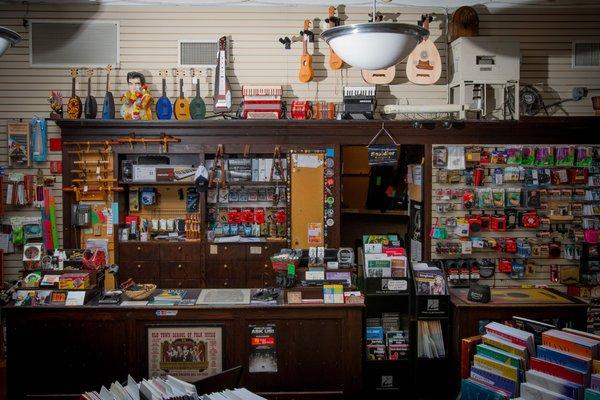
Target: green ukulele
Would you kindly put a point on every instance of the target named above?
(197, 106)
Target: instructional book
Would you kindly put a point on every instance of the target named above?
(571, 343)
(532, 326)
(530, 391)
(429, 280)
(574, 361)
(507, 346)
(170, 295)
(591, 395)
(494, 380)
(558, 370)
(501, 356)
(504, 370)
(513, 335)
(555, 384)
(471, 389)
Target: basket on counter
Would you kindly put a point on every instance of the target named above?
(142, 292)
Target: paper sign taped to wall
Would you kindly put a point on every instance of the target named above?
(307, 161)
(315, 233)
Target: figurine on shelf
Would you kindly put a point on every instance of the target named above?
(56, 104)
(137, 100)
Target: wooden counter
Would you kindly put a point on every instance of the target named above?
(537, 304)
(74, 349)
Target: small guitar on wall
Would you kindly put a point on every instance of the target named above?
(306, 70)
(108, 105)
(197, 106)
(335, 62)
(181, 108)
(90, 108)
(74, 103)
(164, 109)
(424, 65)
(222, 94)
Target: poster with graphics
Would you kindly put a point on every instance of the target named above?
(263, 355)
(189, 353)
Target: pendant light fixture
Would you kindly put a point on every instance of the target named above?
(7, 38)
(374, 45)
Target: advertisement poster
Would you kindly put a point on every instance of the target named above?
(189, 353)
(263, 354)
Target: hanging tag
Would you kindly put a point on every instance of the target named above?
(466, 247)
(498, 176)
(85, 188)
(98, 170)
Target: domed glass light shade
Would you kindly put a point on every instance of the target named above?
(8, 38)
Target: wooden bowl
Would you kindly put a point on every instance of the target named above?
(142, 294)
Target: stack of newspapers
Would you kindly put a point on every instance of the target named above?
(164, 388)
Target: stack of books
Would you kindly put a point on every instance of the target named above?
(499, 364)
(386, 340)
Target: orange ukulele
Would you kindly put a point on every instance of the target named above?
(181, 108)
(306, 70)
(74, 105)
(335, 62)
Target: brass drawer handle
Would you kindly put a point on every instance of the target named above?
(139, 266)
(179, 248)
(225, 248)
(225, 266)
(266, 266)
(179, 266)
(139, 248)
(179, 284)
(225, 283)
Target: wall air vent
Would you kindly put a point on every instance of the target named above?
(198, 53)
(586, 55)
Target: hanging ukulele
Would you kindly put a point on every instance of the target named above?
(197, 106)
(108, 106)
(181, 108)
(424, 65)
(164, 109)
(335, 62)
(306, 70)
(379, 76)
(222, 95)
(74, 104)
(90, 108)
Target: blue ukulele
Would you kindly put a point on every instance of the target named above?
(164, 109)
(108, 107)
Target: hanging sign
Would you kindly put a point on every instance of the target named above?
(383, 154)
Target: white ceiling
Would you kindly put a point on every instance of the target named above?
(300, 3)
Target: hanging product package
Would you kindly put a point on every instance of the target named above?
(39, 139)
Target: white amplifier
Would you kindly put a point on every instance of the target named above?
(484, 59)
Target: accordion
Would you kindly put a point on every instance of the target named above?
(359, 102)
(262, 102)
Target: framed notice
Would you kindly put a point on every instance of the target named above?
(189, 353)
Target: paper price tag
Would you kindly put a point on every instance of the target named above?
(466, 247)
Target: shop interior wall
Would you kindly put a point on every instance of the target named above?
(148, 42)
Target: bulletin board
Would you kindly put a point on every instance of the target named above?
(307, 199)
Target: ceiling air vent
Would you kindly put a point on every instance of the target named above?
(586, 55)
(198, 53)
(73, 43)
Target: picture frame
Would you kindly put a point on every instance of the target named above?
(19, 144)
(187, 352)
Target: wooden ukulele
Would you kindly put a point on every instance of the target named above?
(164, 109)
(90, 108)
(306, 70)
(181, 108)
(222, 94)
(108, 105)
(335, 62)
(424, 65)
(197, 106)
(74, 103)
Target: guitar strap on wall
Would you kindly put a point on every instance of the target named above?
(220, 161)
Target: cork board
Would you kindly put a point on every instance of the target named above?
(307, 199)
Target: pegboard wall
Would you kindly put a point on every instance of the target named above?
(516, 215)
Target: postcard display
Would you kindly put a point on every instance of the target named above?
(510, 215)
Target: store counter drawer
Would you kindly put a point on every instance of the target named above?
(139, 271)
(180, 269)
(138, 251)
(181, 283)
(181, 251)
(225, 283)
